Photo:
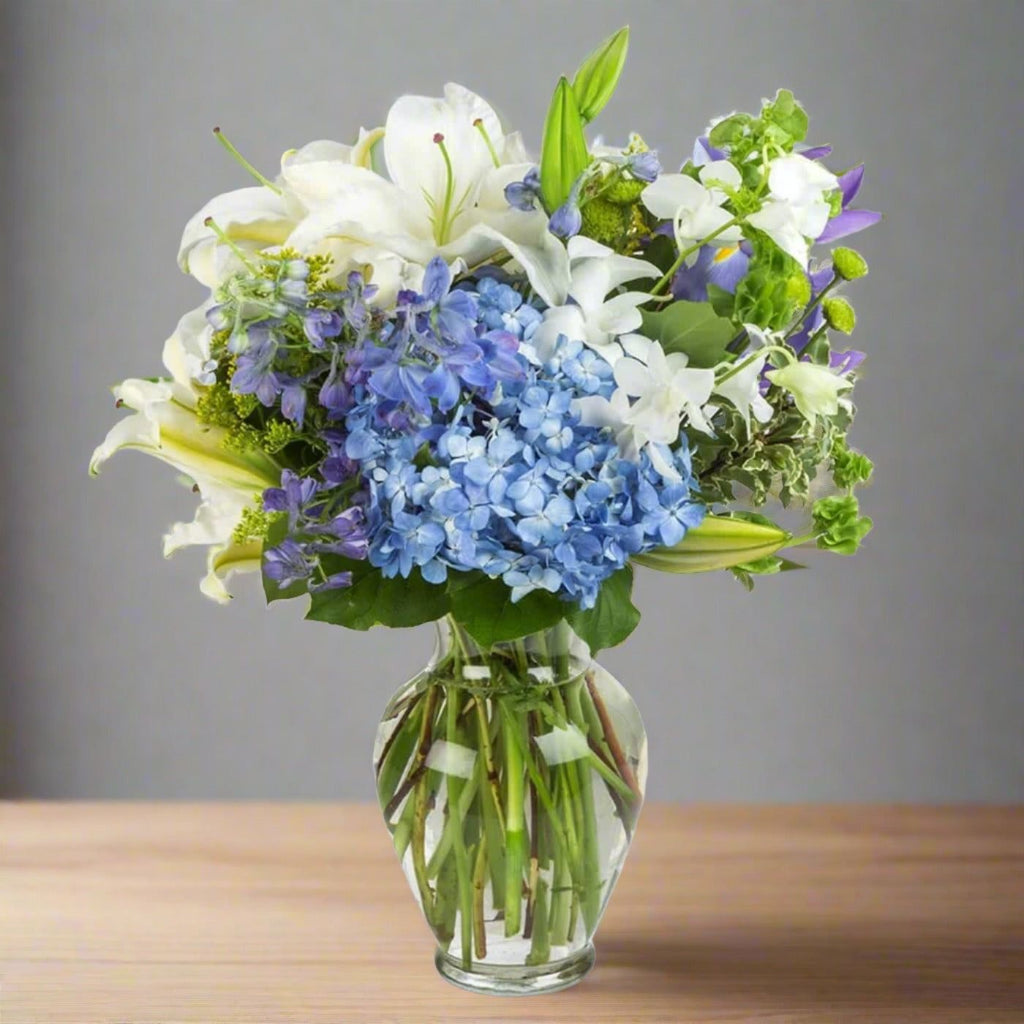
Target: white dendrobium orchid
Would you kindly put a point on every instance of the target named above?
(665, 390)
(164, 424)
(695, 207)
(448, 161)
(741, 387)
(604, 324)
(815, 389)
(796, 209)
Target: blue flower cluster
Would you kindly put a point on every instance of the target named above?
(519, 488)
(444, 443)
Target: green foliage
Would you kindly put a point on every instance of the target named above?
(767, 566)
(693, 328)
(564, 154)
(773, 289)
(839, 525)
(787, 117)
(597, 77)
(484, 608)
(849, 466)
(778, 458)
(848, 263)
(613, 616)
(374, 600)
(781, 125)
(839, 314)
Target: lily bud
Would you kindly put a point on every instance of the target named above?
(720, 542)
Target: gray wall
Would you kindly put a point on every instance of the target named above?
(892, 676)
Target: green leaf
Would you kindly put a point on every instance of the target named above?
(691, 327)
(373, 600)
(722, 302)
(720, 542)
(728, 130)
(484, 608)
(612, 618)
(598, 75)
(277, 533)
(787, 114)
(563, 156)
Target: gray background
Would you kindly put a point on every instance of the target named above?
(895, 675)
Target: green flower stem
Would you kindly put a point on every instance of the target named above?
(624, 769)
(398, 749)
(514, 837)
(421, 803)
(487, 760)
(591, 877)
(418, 765)
(463, 871)
(479, 881)
(540, 946)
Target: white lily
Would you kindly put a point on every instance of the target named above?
(164, 424)
(815, 389)
(604, 324)
(796, 209)
(695, 207)
(665, 391)
(449, 162)
(264, 216)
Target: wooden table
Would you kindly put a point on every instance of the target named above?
(267, 913)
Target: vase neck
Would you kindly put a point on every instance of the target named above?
(549, 656)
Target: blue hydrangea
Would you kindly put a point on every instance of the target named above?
(520, 488)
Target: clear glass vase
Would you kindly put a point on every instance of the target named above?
(511, 779)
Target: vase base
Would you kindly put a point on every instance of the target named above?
(519, 980)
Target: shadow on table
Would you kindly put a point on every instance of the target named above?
(818, 969)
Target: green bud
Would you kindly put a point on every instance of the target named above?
(563, 156)
(849, 264)
(718, 543)
(835, 204)
(798, 289)
(839, 314)
(839, 525)
(598, 75)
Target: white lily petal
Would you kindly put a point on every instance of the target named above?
(224, 562)
(248, 215)
(186, 351)
(580, 248)
(414, 160)
(741, 389)
(541, 255)
(634, 377)
(620, 314)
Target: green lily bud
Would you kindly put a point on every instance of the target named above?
(848, 263)
(563, 156)
(720, 542)
(839, 314)
(598, 75)
(798, 289)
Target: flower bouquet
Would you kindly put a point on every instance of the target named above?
(437, 381)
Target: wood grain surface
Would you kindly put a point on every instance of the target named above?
(268, 913)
